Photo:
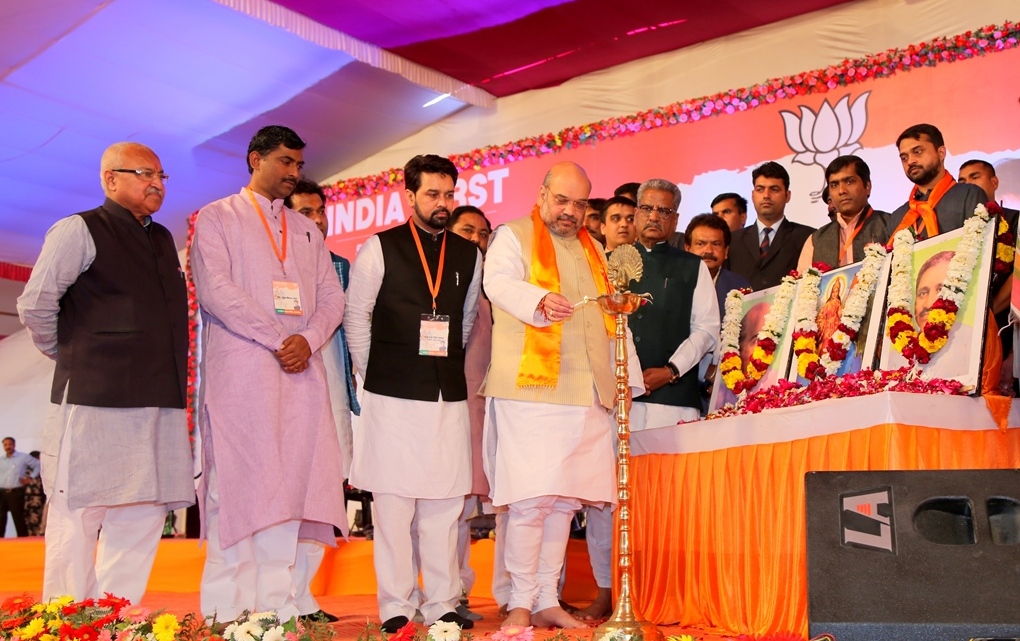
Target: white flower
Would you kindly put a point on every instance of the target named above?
(247, 631)
(806, 310)
(274, 634)
(444, 631)
(856, 305)
(228, 632)
(730, 333)
(269, 615)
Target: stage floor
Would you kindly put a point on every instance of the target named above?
(345, 585)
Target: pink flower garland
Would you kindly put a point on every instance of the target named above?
(980, 42)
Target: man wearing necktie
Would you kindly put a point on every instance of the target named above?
(768, 250)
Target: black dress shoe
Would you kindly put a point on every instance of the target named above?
(453, 617)
(390, 626)
(320, 615)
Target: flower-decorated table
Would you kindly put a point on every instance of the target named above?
(718, 527)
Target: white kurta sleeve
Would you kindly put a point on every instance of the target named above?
(366, 279)
(471, 301)
(67, 252)
(704, 324)
(504, 280)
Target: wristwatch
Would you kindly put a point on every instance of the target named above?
(675, 378)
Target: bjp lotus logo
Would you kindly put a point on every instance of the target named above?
(818, 138)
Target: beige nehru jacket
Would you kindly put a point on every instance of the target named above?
(585, 352)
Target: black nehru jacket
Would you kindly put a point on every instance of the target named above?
(394, 366)
(122, 329)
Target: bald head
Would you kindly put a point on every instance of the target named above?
(563, 198)
(139, 195)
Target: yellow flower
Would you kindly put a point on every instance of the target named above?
(941, 316)
(733, 362)
(165, 627)
(48, 637)
(32, 629)
(38, 607)
(732, 378)
(67, 599)
(1004, 253)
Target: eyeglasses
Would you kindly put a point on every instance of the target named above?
(665, 212)
(563, 201)
(145, 174)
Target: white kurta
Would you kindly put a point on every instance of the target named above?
(544, 449)
(404, 447)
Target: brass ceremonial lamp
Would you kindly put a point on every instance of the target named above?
(625, 265)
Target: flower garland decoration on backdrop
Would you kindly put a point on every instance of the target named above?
(970, 44)
(805, 328)
(854, 310)
(737, 375)
(919, 346)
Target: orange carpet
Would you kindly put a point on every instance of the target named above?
(345, 585)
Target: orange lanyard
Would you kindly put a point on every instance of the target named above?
(281, 254)
(433, 285)
(853, 233)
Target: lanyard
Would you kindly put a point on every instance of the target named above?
(280, 254)
(433, 286)
(853, 234)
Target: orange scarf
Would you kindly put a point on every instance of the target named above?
(540, 362)
(925, 209)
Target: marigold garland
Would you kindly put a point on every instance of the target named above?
(805, 329)
(919, 346)
(886, 64)
(737, 375)
(192, 389)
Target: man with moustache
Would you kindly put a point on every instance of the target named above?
(309, 200)
(592, 219)
(937, 203)
(732, 208)
(768, 250)
(617, 222)
(842, 241)
(550, 388)
(272, 466)
(708, 237)
(107, 301)
(411, 306)
(672, 335)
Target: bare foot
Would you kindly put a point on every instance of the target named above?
(555, 617)
(518, 616)
(502, 611)
(600, 608)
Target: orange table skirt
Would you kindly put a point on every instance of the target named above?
(719, 536)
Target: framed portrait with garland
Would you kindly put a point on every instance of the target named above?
(753, 342)
(937, 304)
(837, 325)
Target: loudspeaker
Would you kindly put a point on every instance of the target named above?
(905, 556)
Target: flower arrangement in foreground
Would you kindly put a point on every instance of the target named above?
(63, 618)
(737, 375)
(112, 618)
(805, 327)
(919, 346)
(854, 310)
(863, 383)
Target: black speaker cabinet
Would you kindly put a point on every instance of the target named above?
(912, 556)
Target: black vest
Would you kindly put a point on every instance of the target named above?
(122, 329)
(826, 239)
(670, 276)
(394, 366)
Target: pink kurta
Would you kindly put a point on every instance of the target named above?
(269, 434)
(476, 363)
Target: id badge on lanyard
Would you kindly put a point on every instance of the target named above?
(434, 335)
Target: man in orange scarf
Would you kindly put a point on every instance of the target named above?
(937, 203)
(550, 388)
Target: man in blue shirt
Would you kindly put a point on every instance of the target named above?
(17, 469)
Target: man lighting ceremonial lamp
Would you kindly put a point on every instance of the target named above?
(550, 385)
